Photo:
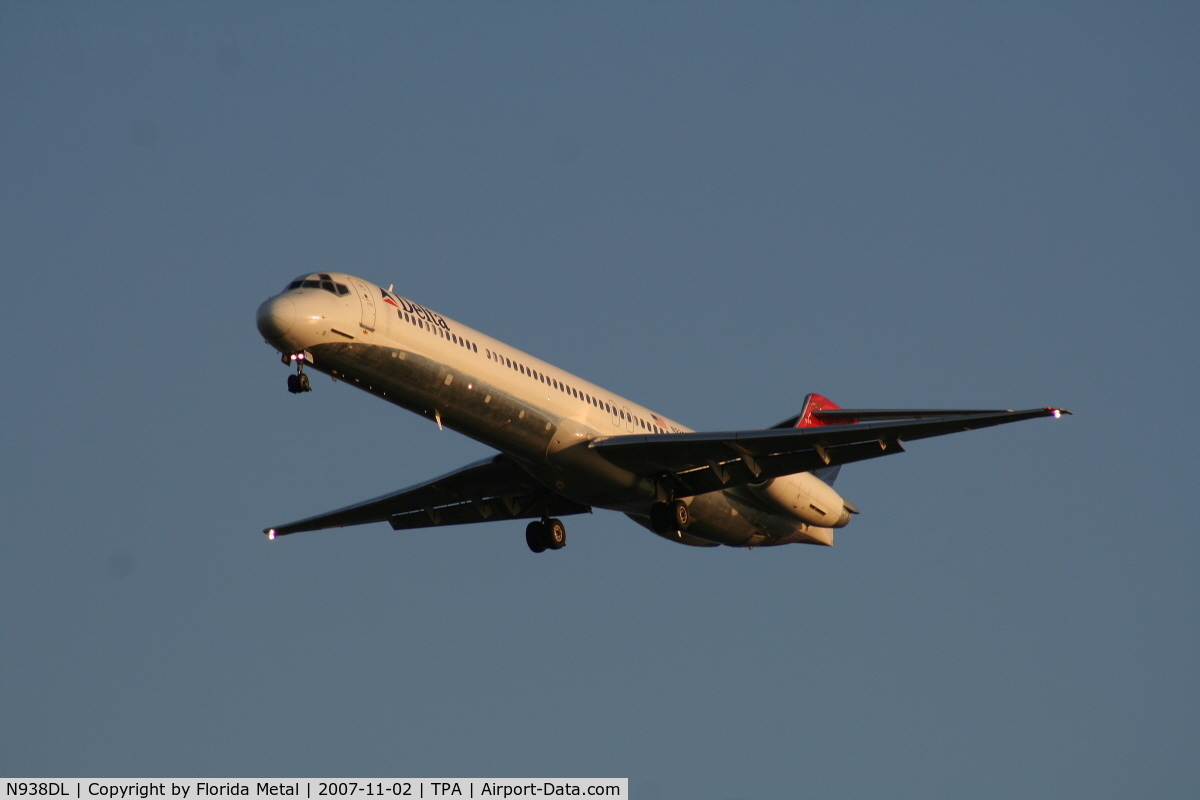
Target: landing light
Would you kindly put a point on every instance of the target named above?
(1057, 413)
(271, 534)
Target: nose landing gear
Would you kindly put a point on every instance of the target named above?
(299, 382)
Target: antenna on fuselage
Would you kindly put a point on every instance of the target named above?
(391, 286)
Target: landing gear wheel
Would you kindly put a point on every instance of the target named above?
(669, 517)
(546, 534)
(680, 516)
(556, 534)
(298, 383)
(535, 537)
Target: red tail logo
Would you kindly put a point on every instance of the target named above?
(810, 415)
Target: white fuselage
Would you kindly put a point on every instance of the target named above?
(540, 415)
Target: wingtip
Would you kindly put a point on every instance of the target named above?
(270, 532)
(1058, 412)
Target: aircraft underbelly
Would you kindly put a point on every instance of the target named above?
(427, 387)
(553, 449)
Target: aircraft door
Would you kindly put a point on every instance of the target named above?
(628, 415)
(367, 300)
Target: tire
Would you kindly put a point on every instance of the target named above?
(535, 537)
(305, 386)
(556, 534)
(680, 516)
(294, 384)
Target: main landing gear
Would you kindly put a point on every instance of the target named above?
(669, 517)
(546, 534)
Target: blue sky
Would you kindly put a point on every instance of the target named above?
(711, 208)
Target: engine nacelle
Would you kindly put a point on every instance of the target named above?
(805, 497)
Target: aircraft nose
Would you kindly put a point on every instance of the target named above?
(276, 317)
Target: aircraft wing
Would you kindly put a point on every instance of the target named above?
(493, 489)
(705, 462)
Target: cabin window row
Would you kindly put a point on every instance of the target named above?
(571, 390)
(440, 331)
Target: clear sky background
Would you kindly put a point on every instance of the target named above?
(713, 209)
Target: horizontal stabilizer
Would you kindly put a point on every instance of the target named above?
(818, 411)
(847, 414)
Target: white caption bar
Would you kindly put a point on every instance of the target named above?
(312, 788)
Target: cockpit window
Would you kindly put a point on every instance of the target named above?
(319, 281)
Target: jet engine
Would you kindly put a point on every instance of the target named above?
(805, 497)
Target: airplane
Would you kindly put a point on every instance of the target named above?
(565, 445)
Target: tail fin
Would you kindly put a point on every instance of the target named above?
(810, 417)
(810, 414)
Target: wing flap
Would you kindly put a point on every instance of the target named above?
(488, 509)
(495, 488)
